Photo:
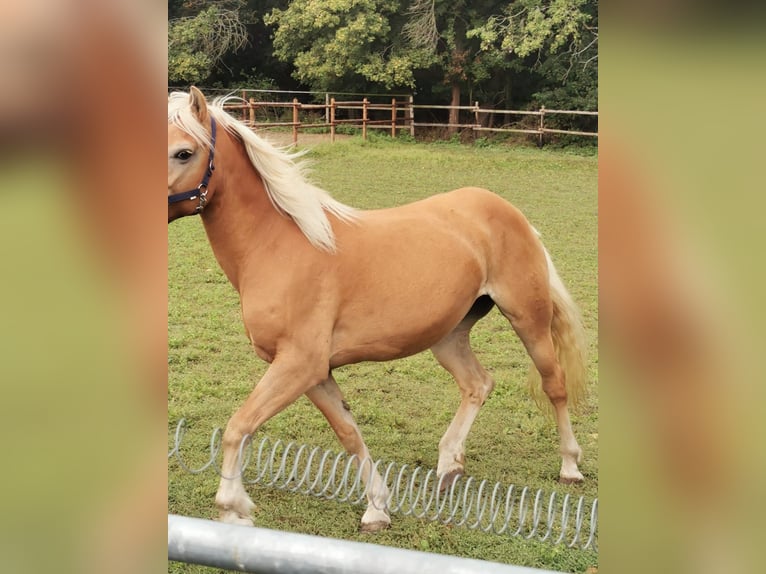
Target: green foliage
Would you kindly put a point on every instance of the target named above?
(482, 143)
(197, 43)
(187, 63)
(330, 41)
(555, 43)
(507, 54)
(529, 26)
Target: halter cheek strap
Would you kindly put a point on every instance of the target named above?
(201, 190)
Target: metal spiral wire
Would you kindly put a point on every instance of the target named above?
(413, 491)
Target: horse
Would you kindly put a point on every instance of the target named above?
(323, 285)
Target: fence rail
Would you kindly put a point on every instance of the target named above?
(394, 116)
(250, 549)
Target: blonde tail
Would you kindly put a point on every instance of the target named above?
(570, 343)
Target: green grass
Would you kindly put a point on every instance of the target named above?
(402, 407)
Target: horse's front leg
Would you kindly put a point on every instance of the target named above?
(288, 377)
(328, 399)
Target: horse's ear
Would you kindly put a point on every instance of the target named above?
(198, 104)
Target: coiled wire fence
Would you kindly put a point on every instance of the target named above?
(467, 502)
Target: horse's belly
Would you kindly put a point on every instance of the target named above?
(384, 348)
(399, 326)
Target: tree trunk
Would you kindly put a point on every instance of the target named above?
(454, 114)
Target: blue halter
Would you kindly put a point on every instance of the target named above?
(201, 190)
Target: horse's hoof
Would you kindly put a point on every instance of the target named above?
(575, 479)
(371, 527)
(448, 479)
(233, 517)
(375, 520)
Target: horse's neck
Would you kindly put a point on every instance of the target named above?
(238, 216)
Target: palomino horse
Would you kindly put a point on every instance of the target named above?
(324, 285)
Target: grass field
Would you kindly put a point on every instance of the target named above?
(402, 407)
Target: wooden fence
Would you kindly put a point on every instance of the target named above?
(394, 116)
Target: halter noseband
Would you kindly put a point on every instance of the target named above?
(201, 190)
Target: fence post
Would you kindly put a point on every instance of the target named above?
(364, 119)
(244, 109)
(475, 118)
(295, 120)
(393, 117)
(542, 126)
(332, 120)
(252, 112)
(326, 108)
(412, 116)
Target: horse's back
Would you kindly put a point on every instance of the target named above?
(464, 199)
(469, 220)
(448, 229)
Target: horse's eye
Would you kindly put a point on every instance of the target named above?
(184, 154)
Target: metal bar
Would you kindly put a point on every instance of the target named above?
(258, 125)
(514, 130)
(552, 131)
(263, 551)
(575, 112)
(419, 125)
(435, 107)
(509, 112)
(370, 122)
(360, 105)
(257, 103)
(262, 104)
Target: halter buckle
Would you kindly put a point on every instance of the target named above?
(202, 198)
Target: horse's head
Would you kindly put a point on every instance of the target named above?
(191, 148)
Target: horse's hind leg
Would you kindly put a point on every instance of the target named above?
(540, 348)
(454, 354)
(328, 399)
(532, 324)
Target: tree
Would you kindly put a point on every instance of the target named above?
(196, 44)
(442, 28)
(343, 44)
(340, 44)
(545, 28)
(504, 53)
(559, 40)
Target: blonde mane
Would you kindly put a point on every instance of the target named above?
(284, 177)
